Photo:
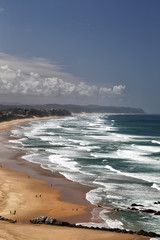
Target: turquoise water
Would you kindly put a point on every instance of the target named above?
(118, 155)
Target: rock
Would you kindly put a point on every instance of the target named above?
(148, 210)
(53, 221)
(118, 209)
(7, 219)
(50, 221)
(142, 232)
(39, 220)
(157, 202)
(61, 223)
(136, 205)
(12, 221)
(134, 209)
(152, 234)
(157, 213)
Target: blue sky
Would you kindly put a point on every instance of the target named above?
(81, 51)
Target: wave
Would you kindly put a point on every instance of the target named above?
(19, 141)
(93, 196)
(147, 148)
(64, 162)
(157, 142)
(101, 215)
(156, 186)
(141, 176)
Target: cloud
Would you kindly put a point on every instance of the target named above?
(40, 77)
(118, 89)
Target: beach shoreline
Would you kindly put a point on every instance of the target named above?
(39, 191)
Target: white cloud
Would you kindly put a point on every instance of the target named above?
(37, 76)
(118, 89)
(103, 91)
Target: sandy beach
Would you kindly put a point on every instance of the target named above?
(32, 192)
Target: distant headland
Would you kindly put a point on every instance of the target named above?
(10, 112)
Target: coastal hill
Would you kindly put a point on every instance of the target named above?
(95, 108)
(10, 112)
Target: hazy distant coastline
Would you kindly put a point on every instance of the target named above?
(72, 108)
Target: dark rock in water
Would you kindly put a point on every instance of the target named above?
(134, 209)
(157, 213)
(100, 205)
(148, 234)
(136, 205)
(152, 234)
(148, 210)
(131, 232)
(7, 219)
(157, 202)
(142, 232)
(118, 209)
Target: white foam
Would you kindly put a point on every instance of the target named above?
(100, 215)
(113, 169)
(64, 162)
(157, 142)
(154, 238)
(30, 157)
(46, 138)
(93, 196)
(156, 186)
(142, 176)
(69, 176)
(55, 143)
(19, 141)
(147, 148)
(114, 197)
(110, 222)
(16, 132)
(136, 155)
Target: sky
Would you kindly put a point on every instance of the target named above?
(104, 52)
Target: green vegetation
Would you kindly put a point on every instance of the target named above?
(8, 113)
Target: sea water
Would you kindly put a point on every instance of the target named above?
(118, 155)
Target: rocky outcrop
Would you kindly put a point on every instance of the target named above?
(136, 205)
(157, 213)
(50, 221)
(53, 221)
(151, 211)
(7, 219)
(148, 211)
(134, 209)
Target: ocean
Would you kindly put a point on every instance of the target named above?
(117, 155)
